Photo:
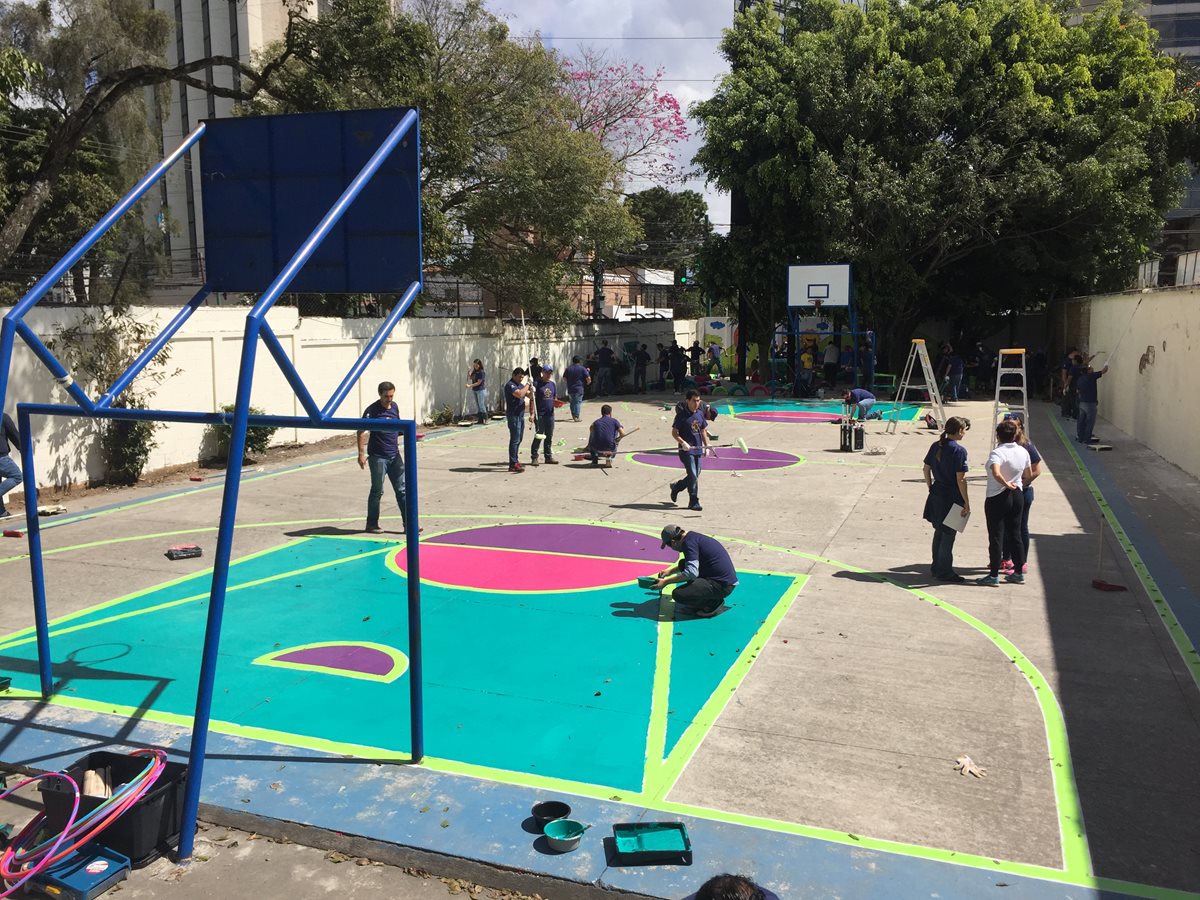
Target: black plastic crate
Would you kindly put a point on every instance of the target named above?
(148, 829)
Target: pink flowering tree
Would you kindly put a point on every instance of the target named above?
(625, 108)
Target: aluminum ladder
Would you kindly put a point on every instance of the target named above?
(918, 352)
(1013, 371)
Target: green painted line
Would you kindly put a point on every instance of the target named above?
(672, 767)
(1161, 605)
(660, 694)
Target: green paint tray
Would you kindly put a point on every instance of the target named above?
(646, 581)
(641, 843)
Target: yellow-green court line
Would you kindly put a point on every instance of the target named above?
(660, 692)
(1178, 636)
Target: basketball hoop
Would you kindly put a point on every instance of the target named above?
(817, 305)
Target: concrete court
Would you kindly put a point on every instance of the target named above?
(842, 734)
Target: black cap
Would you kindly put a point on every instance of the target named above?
(670, 534)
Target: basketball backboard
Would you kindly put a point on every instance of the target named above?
(821, 286)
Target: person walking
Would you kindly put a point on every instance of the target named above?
(577, 378)
(515, 393)
(705, 572)
(10, 472)
(641, 359)
(1007, 566)
(477, 382)
(604, 366)
(380, 453)
(541, 414)
(714, 359)
(690, 431)
(1088, 402)
(945, 471)
(695, 354)
(1008, 470)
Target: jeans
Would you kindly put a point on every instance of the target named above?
(639, 379)
(393, 468)
(545, 426)
(691, 479)
(481, 406)
(716, 361)
(516, 433)
(1003, 513)
(864, 407)
(702, 593)
(1086, 421)
(603, 381)
(955, 386)
(576, 401)
(10, 477)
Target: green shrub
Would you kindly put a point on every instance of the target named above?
(258, 438)
(126, 447)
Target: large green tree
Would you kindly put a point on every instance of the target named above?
(982, 154)
(512, 194)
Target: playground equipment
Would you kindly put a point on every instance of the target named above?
(275, 189)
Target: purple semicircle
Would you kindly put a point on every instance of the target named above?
(726, 459)
(347, 657)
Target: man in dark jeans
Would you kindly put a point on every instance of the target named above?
(10, 473)
(514, 411)
(705, 568)
(381, 454)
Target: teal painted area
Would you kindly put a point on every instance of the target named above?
(557, 685)
(704, 649)
(908, 411)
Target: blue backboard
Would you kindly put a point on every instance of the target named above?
(268, 180)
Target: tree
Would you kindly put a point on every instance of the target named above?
(93, 59)
(985, 155)
(510, 192)
(674, 225)
(634, 120)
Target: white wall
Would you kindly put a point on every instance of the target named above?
(427, 359)
(1149, 392)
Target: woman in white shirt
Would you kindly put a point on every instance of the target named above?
(1008, 469)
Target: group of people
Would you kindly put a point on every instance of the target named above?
(1012, 466)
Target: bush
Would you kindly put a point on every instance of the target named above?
(258, 438)
(443, 416)
(126, 447)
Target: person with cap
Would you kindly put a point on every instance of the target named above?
(10, 473)
(705, 572)
(515, 393)
(381, 454)
(690, 431)
(604, 435)
(577, 378)
(541, 414)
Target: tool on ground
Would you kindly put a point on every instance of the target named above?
(918, 353)
(184, 551)
(13, 533)
(1013, 372)
(1099, 583)
(741, 442)
(51, 510)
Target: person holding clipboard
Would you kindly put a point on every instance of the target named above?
(945, 471)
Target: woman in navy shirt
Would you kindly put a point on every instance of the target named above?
(945, 473)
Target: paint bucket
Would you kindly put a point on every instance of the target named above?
(564, 835)
(646, 581)
(548, 811)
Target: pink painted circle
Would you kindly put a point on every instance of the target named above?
(547, 558)
(724, 459)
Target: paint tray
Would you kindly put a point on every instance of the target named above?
(642, 843)
(646, 581)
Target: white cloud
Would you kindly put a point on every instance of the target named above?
(679, 36)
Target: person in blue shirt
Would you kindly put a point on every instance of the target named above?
(477, 382)
(641, 359)
(603, 435)
(1088, 402)
(861, 399)
(577, 378)
(945, 471)
(604, 363)
(690, 431)
(381, 454)
(515, 393)
(10, 472)
(541, 411)
(955, 366)
(705, 571)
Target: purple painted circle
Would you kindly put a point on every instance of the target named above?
(348, 657)
(725, 459)
(590, 540)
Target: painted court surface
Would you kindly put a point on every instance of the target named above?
(807, 734)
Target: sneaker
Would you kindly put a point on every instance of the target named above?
(374, 529)
(608, 463)
(988, 579)
(1015, 579)
(534, 462)
(1025, 569)
(516, 467)
(674, 494)
(695, 505)
(551, 461)
(707, 613)
(1007, 567)
(952, 578)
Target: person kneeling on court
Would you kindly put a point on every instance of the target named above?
(603, 436)
(862, 400)
(705, 568)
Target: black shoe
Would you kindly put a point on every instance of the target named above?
(551, 461)
(674, 493)
(952, 578)
(695, 505)
(707, 613)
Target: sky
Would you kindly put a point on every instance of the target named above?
(680, 36)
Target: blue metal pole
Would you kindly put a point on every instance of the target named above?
(199, 418)
(413, 556)
(34, 534)
(220, 581)
(64, 378)
(152, 349)
(284, 278)
(371, 349)
(289, 371)
(8, 331)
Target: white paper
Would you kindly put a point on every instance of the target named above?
(955, 519)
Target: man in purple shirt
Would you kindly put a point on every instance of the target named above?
(604, 363)
(1088, 402)
(603, 436)
(577, 378)
(515, 393)
(381, 453)
(705, 569)
(690, 431)
(541, 406)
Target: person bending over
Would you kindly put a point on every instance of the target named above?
(705, 572)
(604, 434)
